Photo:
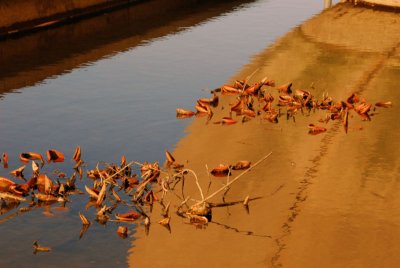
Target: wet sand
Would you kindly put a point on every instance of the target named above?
(328, 200)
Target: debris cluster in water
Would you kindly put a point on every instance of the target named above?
(257, 101)
(108, 187)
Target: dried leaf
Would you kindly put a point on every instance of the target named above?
(116, 196)
(92, 192)
(18, 173)
(54, 156)
(196, 219)
(314, 129)
(169, 157)
(228, 121)
(384, 104)
(130, 216)
(35, 168)
(246, 201)
(221, 171)
(122, 231)
(102, 194)
(12, 197)
(165, 221)
(48, 198)
(229, 90)
(84, 220)
(77, 154)
(182, 113)
(39, 248)
(285, 88)
(5, 184)
(26, 157)
(243, 164)
(5, 160)
(249, 112)
(346, 120)
(44, 183)
(123, 161)
(362, 108)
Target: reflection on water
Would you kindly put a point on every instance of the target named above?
(111, 84)
(327, 3)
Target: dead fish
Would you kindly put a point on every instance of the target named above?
(54, 156)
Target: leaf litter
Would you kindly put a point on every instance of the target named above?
(112, 185)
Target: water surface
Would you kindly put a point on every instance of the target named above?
(111, 84)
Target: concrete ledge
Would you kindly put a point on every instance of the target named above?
(388, 4)
(18, 16)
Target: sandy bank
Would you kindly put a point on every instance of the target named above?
(328, 200)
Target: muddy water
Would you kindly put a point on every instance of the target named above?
(111, 84)
(329, 200)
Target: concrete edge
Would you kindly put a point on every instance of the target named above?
(388, 6)
(21, 28)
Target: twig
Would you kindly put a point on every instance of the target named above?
(197, 183)
(248, 78)
(232, 181)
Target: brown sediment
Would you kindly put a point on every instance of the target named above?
(328, 200)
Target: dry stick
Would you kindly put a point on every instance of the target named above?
(209, 179)
(249, 77)
(232, 181)
(197, 182)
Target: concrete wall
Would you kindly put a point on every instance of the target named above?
(22, 15)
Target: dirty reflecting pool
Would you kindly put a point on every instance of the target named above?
(105, 91)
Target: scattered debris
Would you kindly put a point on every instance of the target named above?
(38, 248)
